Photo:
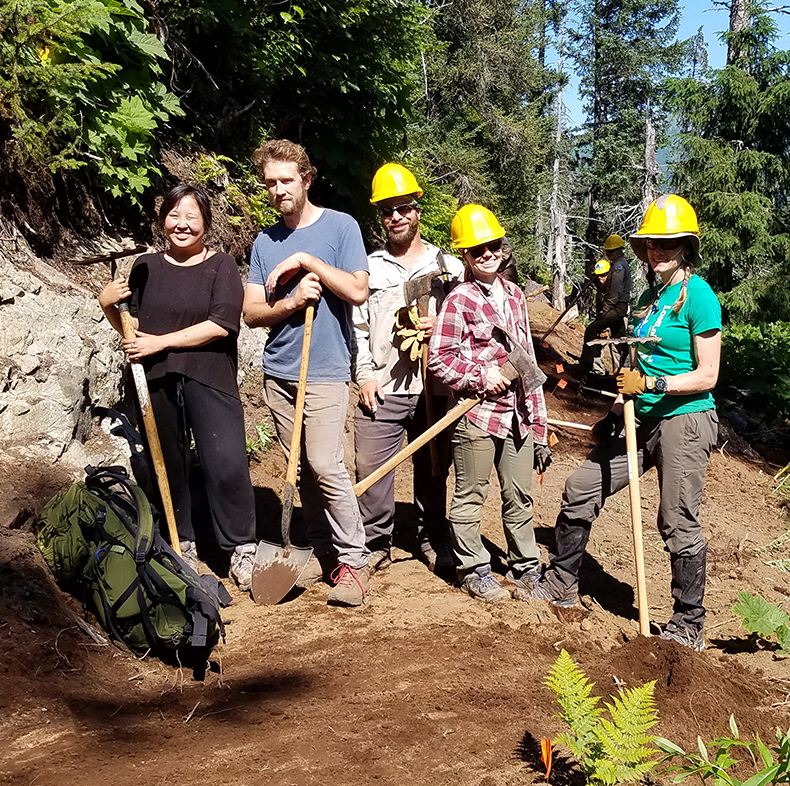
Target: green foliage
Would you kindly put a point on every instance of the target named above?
(81, 85)
(763, 619)
(609, 750)
(261, 442)
(756, 358)
(732, 164)
(715, 761)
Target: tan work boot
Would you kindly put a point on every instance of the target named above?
(351, 586)
(313, 573)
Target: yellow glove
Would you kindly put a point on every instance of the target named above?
(631, 382)
(412, 340)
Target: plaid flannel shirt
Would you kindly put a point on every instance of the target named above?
(466, 341)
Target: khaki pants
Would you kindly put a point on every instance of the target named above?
(475, 453)
(330, 508)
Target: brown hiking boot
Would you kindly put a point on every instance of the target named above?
(379, 560)
(313, 573)
(351, 586)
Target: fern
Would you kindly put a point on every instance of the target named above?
(609, 750)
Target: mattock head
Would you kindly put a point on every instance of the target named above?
(629, 341)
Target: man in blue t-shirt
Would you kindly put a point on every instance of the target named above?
(312, 254)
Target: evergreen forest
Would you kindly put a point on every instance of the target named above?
(96, 96)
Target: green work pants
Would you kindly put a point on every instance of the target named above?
(475, 453)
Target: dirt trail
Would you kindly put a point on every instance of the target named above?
(422, 685)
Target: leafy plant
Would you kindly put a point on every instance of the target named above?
(763, 619)
(715, 760)
(261, 442)
(609, 750)
(81, 85)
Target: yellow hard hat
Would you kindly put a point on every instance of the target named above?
(473, 225)
(613, 242)
(668, 216)
(393, 180)
(602, 267)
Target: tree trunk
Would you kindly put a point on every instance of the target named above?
(651, 165)
(739, 20)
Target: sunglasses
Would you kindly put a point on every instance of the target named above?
(403, 210)
(493, 246)
(667, 244)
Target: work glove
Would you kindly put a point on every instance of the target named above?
(542, 458)
(631, 382)
(412, 340)
(605, 429)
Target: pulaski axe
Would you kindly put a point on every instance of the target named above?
(419, 290)
(519, 365)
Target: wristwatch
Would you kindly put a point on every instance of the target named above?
(656, 385)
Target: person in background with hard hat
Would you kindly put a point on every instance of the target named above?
(612, 296)
(469, 345)
(677, 424)
(386, 366)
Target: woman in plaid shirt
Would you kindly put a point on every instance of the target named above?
(473, 334)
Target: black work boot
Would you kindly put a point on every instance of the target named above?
(688, 591)
(561, 577)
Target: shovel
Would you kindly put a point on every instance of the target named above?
(277, 568)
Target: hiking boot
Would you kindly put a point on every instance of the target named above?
(542, 591)
(688, 638)
(378, 560)
(313, 573)
(438, 557)
(351, 586)
(241, 565)
(189, 553)
(526, 580)
(482, 585)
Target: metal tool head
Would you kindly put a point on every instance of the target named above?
(416, 288)
(520, 364)
(275, 570)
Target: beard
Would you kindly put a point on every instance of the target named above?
(404, 236)
(291, 205)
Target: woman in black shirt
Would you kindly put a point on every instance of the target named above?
(186, 305)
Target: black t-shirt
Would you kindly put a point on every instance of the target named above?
(167, 297)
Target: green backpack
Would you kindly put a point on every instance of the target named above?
(100, 542)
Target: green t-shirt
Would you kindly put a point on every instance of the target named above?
(674, 354)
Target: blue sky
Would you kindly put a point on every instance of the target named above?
(695, 14)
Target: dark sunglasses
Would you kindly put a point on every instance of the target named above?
(493, 246)
(403, 210)
(665, 244)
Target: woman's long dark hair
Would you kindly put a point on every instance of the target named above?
(177, 193)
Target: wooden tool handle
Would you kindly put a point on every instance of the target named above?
(636, 513)
(151, 432)
(296, 436)
(428, 392)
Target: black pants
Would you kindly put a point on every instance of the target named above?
(610, 320)
(216, 421)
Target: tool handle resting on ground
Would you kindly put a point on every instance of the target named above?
(154, 445)
(636, 513)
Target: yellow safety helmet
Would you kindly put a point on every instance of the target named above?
(613, 242)
(602, 267)
(393, 180)
(668, 216)
(473, 225)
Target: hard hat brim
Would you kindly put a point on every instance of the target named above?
(470, 242)
(638, 243)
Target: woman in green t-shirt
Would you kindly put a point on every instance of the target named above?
(676, 421)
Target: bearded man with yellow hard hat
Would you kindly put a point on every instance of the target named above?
(612, 296)
(389, 337)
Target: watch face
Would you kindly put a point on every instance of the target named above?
(661, 385)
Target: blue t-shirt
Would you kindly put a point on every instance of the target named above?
(674, 354)
(335, 239)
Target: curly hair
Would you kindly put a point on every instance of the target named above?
(284, 151)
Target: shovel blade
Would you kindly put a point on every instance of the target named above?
(274, 572)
